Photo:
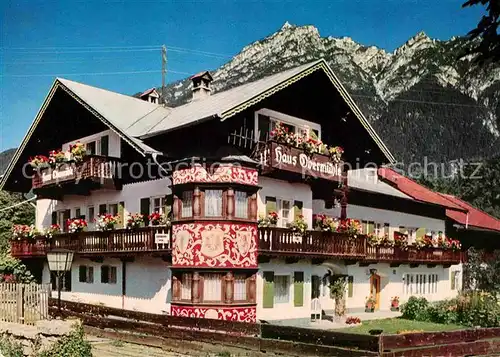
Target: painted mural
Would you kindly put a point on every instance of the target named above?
(242, 314)
(214, 245)
(224, 173)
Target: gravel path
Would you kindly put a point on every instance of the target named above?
(112, 348)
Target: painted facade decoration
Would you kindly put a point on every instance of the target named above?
(222, 174)
(221, 245)
(242, 314)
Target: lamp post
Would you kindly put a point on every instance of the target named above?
(59, 262)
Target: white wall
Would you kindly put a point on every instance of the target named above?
(114, 142)
(283, 311)
(130, 194)
(148, 284)
(285, 190)
(392, 283)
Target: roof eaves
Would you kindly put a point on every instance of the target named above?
(185, 125)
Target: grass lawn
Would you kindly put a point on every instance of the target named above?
(394, 325)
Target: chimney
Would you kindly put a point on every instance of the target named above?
(201, 85)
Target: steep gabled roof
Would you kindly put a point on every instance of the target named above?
(415, 190)
(226, 104)
(475, 217)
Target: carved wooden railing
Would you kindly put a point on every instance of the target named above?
(315, 243)
(91, 167)
(413, 255)
(147, 239)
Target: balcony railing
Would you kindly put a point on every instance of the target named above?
(314, 243)
(413, 255)
(279, 156)
(147, 239)
(271, 241)
(100, 169)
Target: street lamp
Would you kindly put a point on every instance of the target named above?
(59, 262)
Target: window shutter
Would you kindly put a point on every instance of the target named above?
(104, 274)
(67, 281)
(66, 216)
(105, 145)
(121, 214)
(350, 286)
(82, 274)
(297, 209)
(420, 233)
(91, 274)
(102, 209)
(145, 209)
(268, 296)
(168, 204)
(298, 288)
(270, 204)
(54, 218)
(453, 276)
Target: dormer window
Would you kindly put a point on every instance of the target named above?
(151, 95)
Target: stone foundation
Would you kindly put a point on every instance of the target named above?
(39, 337)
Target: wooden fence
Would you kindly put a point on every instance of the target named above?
(24, 303)
(146, 328)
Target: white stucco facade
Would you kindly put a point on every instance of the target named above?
(148, 284)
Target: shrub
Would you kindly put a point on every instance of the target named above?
(10, 348)
(73, 345)
(415, 309)
(478, 309)
(443, 312)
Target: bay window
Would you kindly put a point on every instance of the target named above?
(187, 204)
(241, 204)
(212, 286)
(240, 287)
(186, 286)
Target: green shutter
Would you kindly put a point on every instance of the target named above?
(453, 276)
(268, 296)
(371, 227)
(105, 145)
(350, 286)
(297, 209)
(298, 288)
(121, 214)
(420, 233)
(145, 209)
(270, 204)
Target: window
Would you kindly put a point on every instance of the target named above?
(420, 284)
(78, 212)
(86, 274)
(113, 209)
(285, 212)
(266, 119)
(454, 280)
(212, 287)
(91, 214)
(282, 289)
(186, 283)
(91, 148)
(213, 203)
(108, 274)
(379, 229)
(240, 287)
(158, 204)
(65, 281)
(241, 203)
(187, 204)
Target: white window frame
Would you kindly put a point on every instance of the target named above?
(108, 207)
(279, 207)
(423, 284)
(162, 204)
(241, 211)
(286, 119)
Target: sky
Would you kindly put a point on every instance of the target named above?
(94, 42)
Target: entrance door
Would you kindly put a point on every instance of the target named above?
(375, 289)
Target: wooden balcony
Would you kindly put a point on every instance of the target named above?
(93, 172)
(118, 242)
(279, 160)
(284, 242)
(412, 255)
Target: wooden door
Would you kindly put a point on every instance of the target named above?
(375, 289)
